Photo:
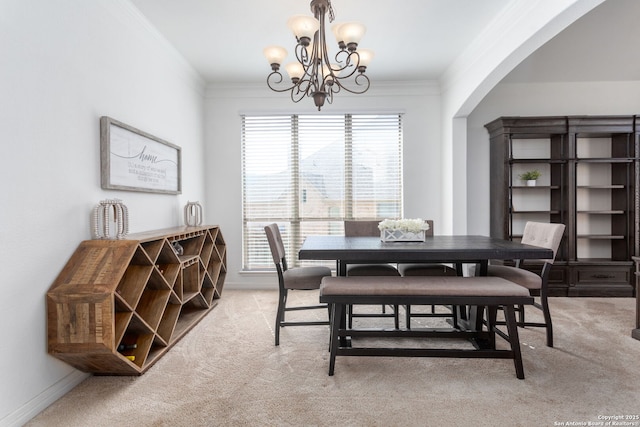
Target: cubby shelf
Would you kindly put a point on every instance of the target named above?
(119, 305)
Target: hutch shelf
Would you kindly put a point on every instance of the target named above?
(119, 305)
(590, 169)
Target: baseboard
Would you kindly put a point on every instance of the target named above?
(39, 403)
(252, 286)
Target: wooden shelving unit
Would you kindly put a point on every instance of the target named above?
(119, 305)
(590, 178)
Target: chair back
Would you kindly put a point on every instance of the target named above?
(369, 228)
(545, 235)
(355, 228)
(429, 232)
(277, 246)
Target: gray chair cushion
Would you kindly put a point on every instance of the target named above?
(305, 277)
(520, 276)
(371, 270)
(426, 270)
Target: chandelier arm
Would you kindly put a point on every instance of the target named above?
(347, 64)
(329, 97)
(366, 84)
(297, 95)
(315, 66)
(302, 55)
(271, 83)
(321, 52)
(305, 86)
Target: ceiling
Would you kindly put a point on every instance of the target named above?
(412, 39)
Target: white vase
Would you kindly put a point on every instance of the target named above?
(107, 212)
(531, 183)
(193, 214)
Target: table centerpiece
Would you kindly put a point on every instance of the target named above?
(403, 230)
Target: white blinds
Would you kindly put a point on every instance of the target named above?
(310, 172)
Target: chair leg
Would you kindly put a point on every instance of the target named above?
(408, 319)
(396, 316)
(349, 309)
(282, 301)
(520, 311)
(547, 319)
(455, 312)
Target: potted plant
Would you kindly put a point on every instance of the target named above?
(530, 177)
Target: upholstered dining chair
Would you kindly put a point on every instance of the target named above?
(297, 278)
(546, 235)
(357, 228)
(426, 269)
(368, 228)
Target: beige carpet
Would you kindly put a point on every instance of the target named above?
(227, 372)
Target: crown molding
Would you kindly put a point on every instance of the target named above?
(377, 89)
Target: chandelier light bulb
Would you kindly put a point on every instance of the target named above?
(335, 28)
(275, 55)
(366, 55)
(295, 71)
(350, 33)
(303, 27)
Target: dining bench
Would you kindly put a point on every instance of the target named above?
(489, 292)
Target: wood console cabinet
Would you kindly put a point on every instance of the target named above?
(119, 305)
(590, 169)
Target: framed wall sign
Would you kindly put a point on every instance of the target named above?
(133, 160)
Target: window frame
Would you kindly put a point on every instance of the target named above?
(291, 226)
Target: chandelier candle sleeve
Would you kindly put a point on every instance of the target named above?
(315, 74)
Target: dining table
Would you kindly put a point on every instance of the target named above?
(451, 249)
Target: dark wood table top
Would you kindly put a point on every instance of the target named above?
(433, 249)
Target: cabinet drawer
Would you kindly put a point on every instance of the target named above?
(587, 275)
(558, 274)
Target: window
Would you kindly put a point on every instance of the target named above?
(309, 173)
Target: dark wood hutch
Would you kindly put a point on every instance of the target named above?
(590, 169)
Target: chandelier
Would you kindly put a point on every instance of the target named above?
(313, 74)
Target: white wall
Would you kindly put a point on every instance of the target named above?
(420, 103)
(65, 63)
(540, 99)
(514, 35)
(68, 62)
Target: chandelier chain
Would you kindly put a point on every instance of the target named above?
(332, 15)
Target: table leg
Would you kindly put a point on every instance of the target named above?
(341, 268)
(512, 330)
(470, 318)
(338, 311)
(341, 271)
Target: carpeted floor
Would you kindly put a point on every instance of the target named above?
(227, 372)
